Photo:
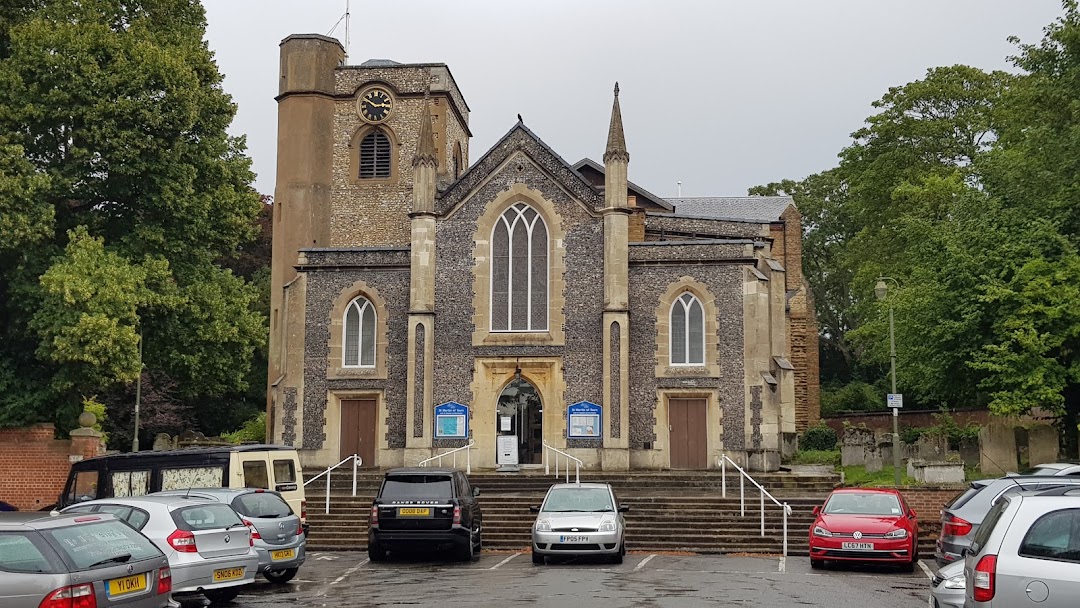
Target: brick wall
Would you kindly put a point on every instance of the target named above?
(927, 503)
(34, 465)
(882, 421)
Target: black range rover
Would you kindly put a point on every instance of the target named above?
(425, 507)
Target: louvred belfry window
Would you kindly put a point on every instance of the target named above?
(687, 331)
(359, 342)
(375, 152)
(519, 271)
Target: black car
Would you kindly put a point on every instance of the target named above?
(422, 508)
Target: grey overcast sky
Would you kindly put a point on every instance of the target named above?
(722, 95)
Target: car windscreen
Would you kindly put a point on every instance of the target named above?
(410, 487)
(261, 504)
(100, 544)
(578, 500)
(27, 552)
(205, 517)
(857, 503)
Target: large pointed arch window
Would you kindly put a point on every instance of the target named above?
(359, 338)
(687, 331)
(519, 271)
(375, 152)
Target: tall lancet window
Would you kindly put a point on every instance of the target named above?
(359, 339)
(687, 331)
(519, 271)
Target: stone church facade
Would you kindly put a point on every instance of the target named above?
(421, 302)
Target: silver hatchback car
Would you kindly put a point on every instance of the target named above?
(278, 532)
(1027, 552)
(79, 560)
(579, 519)
(210, 550)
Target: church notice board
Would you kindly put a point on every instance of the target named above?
(452, 421)
(583, 420)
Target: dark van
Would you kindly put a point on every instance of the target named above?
(271, 467)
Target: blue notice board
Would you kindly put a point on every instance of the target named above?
(584, 420)
(452, 420)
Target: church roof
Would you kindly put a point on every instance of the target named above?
(379, 63)
(587, 164)
(753, 208)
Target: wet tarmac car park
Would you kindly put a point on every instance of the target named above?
(348, 579)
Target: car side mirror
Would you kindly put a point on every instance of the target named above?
(534, 509)
(911, 514)
(817, 510)
(475, 491)
(963, 552)
(624, 508)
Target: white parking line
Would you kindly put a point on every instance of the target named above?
(929, 574)
(643, 562)
(783, 564)
(504, 561)
(350, 571)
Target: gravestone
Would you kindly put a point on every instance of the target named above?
(969, 451)
(997, 449)
(163, 441)
(1042, 444)
(855, 444)
(931, 447)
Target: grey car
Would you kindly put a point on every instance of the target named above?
(56, 561)
(210, 550)
(947, 586)
(1071, 467)
(1027, 552)
(279, 537)
(961, 517)
(579, 519)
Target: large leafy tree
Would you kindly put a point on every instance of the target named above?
(122, 197)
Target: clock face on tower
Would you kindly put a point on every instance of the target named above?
(375, 105)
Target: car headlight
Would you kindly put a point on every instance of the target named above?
(543, 525)
(901, 533)
(607, 526)
(819, 531)
(956, 582)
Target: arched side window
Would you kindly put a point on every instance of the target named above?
(375, 155)
(687, 331)
(519, 271)
(359, 339)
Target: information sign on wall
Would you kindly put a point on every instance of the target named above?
(452, 421)
(584, 420)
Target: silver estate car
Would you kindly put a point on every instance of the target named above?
(947, 586)
(79, 560)
(579, 519)
(210, 550)
(279, 537)
(1027, 552)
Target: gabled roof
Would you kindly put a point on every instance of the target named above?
(519, 138)
(754, 208)
(589, 164)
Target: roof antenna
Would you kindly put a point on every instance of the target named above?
(346, 19)
(678, 189)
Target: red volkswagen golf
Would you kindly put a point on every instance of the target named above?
(864, 525)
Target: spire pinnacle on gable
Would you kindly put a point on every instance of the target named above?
(616, 141)
(425, 147)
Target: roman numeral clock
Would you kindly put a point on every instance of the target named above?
(375, 105)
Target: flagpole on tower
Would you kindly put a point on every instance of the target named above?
(347, 31)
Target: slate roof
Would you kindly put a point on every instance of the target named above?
(595, 166)
(754, 208)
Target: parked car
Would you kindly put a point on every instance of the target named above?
(865, 525)
(428, 508)
(947, 586)
(271, 467)
(210, 550)
(6, 506)
(279, 538)
(1027, 552)
(961, 517)
(79, 561)
(1068, 467)
(579, 519)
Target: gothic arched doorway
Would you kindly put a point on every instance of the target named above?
(520, 421)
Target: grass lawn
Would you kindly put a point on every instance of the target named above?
(857, 476)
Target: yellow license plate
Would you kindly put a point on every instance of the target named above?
(228, 574)
(126, 585)
(414, 512)
(283, 554)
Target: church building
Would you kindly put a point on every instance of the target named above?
(518, 304)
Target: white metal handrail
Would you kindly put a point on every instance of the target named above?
(547, 464)
(468, 457)
(356, 460)
(743, 475)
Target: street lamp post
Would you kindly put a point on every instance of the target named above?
(881, 290)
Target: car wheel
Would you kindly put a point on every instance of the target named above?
(618, 558)
(538, 559)
(468, 552)
(283, 575)
(222, 596)
(376, 553)
(817, 564)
